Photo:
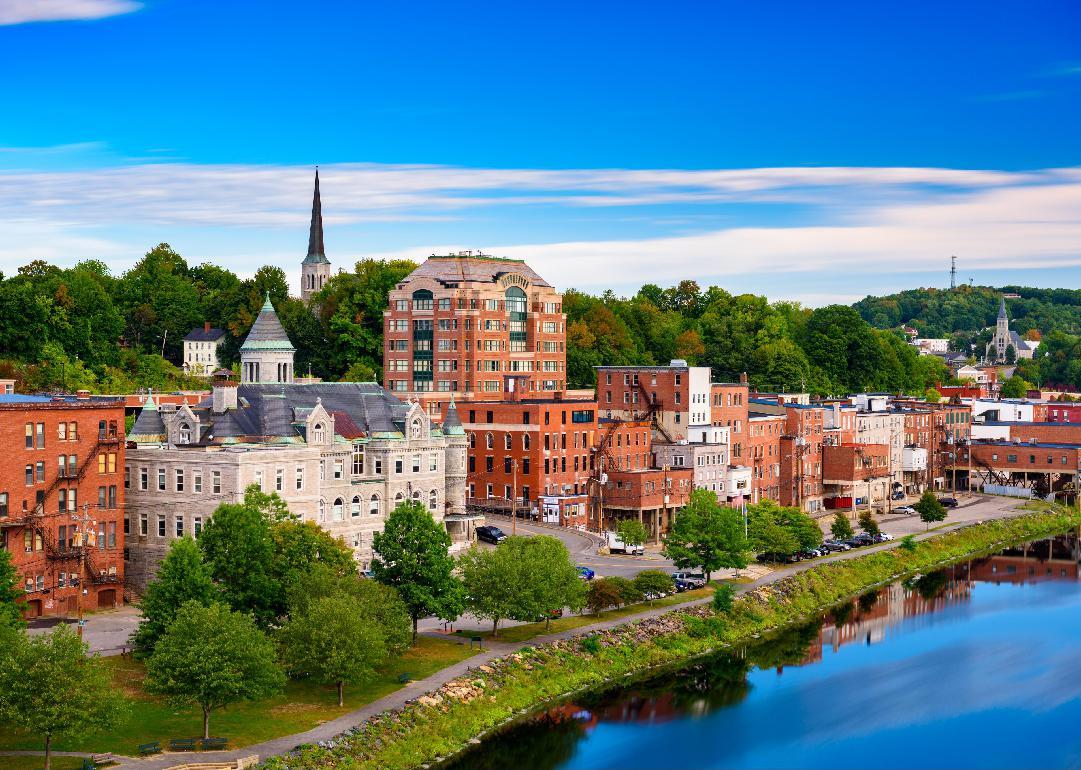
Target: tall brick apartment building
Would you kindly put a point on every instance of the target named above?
(62, 501)
(458, 323)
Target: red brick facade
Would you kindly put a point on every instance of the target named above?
(763, 455)
(728, 407)
(62, 503)
(801, 458)
(849, 463)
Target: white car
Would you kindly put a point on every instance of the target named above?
(883, 536)
(908, 510)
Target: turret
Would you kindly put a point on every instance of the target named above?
(456, 455)
(267, 354)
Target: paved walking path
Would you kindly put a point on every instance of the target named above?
(993, 507)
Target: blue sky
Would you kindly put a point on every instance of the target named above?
(815, 151)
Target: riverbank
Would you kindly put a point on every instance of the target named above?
(443, 723)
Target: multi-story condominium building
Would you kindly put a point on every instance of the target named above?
(677, 395)
(61, 501)
(339, 454)
(537, 452)
(459, 323)
(201, 348)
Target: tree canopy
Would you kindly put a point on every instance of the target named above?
(706, 536)
(182, 577)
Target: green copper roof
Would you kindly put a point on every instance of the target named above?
(267, 332)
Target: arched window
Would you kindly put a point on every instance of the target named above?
(416, 495)
(516, 316)
(319, 433)
(433, 500)
(472, 440)
(507, 438)
(525, 441)
(185, 433)
(488, 440)
(322, 510)
(354, 509)
(373, 505)
(339, 509)
(398, 498)
(422, 299)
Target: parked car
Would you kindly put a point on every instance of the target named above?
(688, 580)
(948, 502)
(367, 573)
(907, 510)
(616, 545)
(585, 573)
(811, 553)
(490, 534)
(898, 495)
(835, 546)
(864, 539)
(854, 543)
(884, 536)
(550, 615)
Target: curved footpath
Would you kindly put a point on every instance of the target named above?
(413, 690)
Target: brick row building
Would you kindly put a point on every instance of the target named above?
(62, 501)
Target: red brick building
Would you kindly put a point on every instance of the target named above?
(62, 502)
(762, 453)
(652, 495)
(459, 323)
(677, 395)
(728, 407)
(850, 471)
(536, 452)
(801, 457)
(1044, 468)
(1057, 411)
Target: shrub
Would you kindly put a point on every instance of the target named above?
(652, 582)
(908, 543)
(603, 593)
(628, 591)
(591, 644)
(723, 597)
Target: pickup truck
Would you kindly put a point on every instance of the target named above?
(686, 581)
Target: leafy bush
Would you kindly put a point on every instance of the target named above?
(723, 597)
(591, 644)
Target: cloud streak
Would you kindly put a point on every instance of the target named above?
(24, 11)
(871, 221)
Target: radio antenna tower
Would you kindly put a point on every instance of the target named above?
(953, 273)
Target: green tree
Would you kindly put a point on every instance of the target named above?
(11, 594)
(1015, 387)
(724, 597)
(868, 524)
(1011, 354)
(932, 396)
(841, 528)
(602, 594)
(930, 509)
(412, 555)
(211, 657)
(628, 591)
(182, 577)
(333, 641)
(52, 688)
(632, 532)
(706, 536)
(652, 582)
(523, 578)
(380, 603)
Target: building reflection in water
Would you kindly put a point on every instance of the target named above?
(721, 680)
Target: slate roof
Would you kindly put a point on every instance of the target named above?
(201, 334)
(316, 253)
(275, 413)
(148, 426)
(453, 268)
(267, 332)
(452, 423)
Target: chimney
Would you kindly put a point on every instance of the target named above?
(206, 326)
(82, 395)
(743, 378)
(224, 396)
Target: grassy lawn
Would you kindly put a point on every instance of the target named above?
(300, 707)
(37, 763)
(527, 631)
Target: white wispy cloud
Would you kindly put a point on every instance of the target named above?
(862, 221)
(23, 11)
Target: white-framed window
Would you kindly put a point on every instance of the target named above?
(339, 468)
(339, 509)
(179, 525)
(279, 480)
(433, 500)
(215, 482)
(197, 481)
(321, 511)
(259, 480)
(161, 480)
(354, 507)
(179, 479)
(358, 459)
(416, 463)
(144, 479)
(373, 505)
(300, 477)
(319, 433)
(433, 462)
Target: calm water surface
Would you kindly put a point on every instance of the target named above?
(978, 666)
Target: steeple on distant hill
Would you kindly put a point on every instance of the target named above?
(315, 269)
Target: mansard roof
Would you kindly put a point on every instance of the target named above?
(473, 268)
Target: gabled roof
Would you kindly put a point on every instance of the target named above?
(202, 334)
(267, 332)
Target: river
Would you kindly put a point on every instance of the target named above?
(976, 666)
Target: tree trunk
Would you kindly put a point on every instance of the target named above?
(341, 693)
(548, 622)
(416, 620)
(495, 627)
(206, 722)
(48, 751)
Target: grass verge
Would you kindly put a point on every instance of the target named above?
(300, 707)
(37, 763)
(441, 725)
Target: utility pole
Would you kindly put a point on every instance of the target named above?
(664, 502)
(514, 498)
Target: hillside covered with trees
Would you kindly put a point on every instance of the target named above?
(81, 327)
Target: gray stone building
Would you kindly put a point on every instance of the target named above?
(340, 454)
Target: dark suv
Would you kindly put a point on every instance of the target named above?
(948, 502)
(492, 535)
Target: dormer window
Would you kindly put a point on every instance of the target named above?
(415, 429)
(185, 433)
(319, 433)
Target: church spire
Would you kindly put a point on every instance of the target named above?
(1002, 309)
(315, 235)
